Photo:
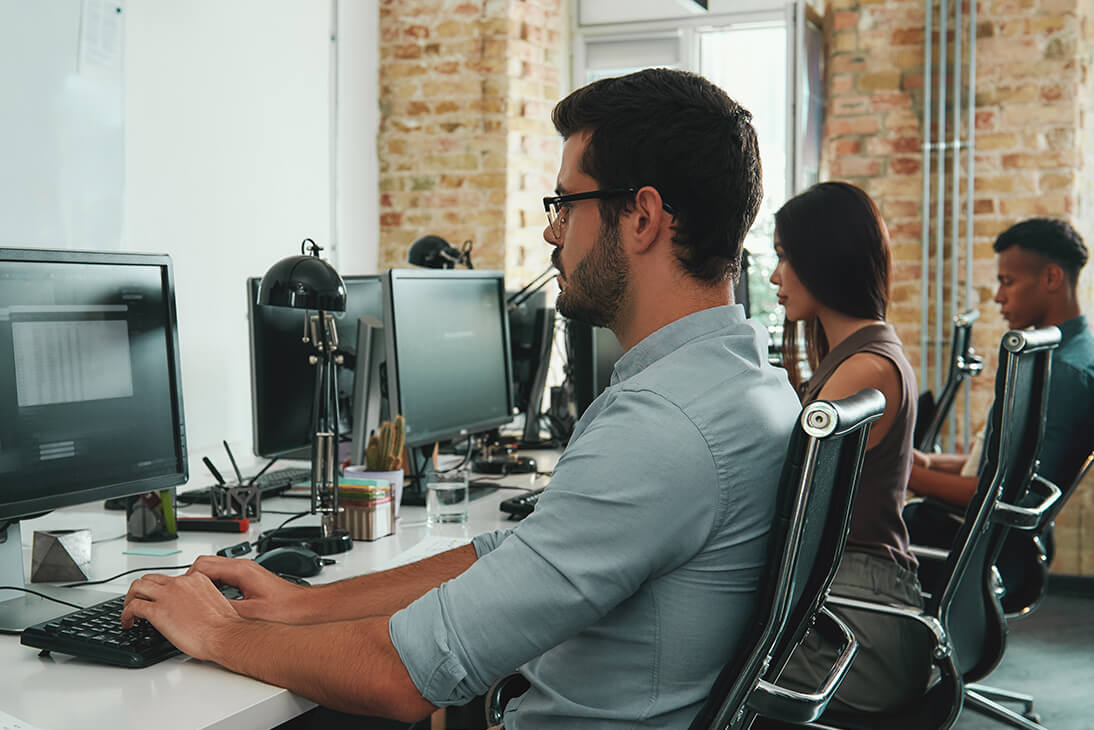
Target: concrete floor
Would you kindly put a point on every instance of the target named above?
(1050, 655)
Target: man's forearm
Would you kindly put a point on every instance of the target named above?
(350, 666)
(383, 593)
(952, 488)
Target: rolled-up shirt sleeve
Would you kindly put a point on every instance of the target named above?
(634, 496)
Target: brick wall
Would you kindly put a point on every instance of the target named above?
(1033, 106)
(466, 147)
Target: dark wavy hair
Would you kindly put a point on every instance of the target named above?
(1050, 238)
(684, 136)
(836, 241)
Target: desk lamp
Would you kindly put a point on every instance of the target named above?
(433, 252)
(309, 283)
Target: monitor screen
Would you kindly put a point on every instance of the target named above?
(90, 389)
(448, 368)
(282, 379)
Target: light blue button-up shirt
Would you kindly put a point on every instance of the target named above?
(628, 588)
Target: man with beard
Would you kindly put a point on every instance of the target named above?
(622, 595)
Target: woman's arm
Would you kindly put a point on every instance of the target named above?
(867, 370)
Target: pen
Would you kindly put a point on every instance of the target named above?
(213, 470)
(261, 471)
(233, 460)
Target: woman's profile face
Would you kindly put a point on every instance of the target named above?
(793, 296)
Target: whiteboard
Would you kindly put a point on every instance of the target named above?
(61, 123)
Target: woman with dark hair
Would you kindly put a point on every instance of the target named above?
(833, 277)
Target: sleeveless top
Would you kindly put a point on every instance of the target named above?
(876, 525)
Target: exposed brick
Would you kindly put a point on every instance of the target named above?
(884, 81)
(905, 165)
(844, 19)
(853, 125)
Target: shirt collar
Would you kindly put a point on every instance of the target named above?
(673, 336)
(1072, 327)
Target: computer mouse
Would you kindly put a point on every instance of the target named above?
(291, 560)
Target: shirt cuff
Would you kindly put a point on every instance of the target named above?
(424, 640)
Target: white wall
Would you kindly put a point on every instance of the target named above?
(229, 166)
(358, 187)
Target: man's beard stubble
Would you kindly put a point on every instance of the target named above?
(597, 287)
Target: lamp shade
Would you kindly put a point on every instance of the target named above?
(303, 282)
(433, 252)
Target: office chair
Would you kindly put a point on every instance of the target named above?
(1026, 557)
(962, 609)
(816, 494)
(816, 497)
(964, 363)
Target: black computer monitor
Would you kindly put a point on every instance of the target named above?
(591, 356)
(90, 390)
(447, 368)
(531, 331)
(283, 381)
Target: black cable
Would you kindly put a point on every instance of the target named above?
(24, 589)
(297, 516)
(127, 572)
(466, 458)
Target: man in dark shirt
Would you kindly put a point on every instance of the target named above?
(1038, 270)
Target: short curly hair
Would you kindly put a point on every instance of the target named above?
(1052, 239)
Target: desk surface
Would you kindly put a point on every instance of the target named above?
(60, 692)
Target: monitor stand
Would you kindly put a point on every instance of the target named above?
(21, 610)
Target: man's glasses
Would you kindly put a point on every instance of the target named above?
(558, 206)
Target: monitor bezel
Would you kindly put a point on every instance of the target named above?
(30, 507)
(390, 282)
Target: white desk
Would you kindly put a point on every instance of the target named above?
(60, 692)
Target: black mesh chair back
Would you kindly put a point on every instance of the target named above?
(816, 496)
(967, 604)
(964, 363)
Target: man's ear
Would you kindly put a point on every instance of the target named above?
(647, 219)
(1053, 277)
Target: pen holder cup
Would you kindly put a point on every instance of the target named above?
(150, 517)
(393, 478)
(368, 509)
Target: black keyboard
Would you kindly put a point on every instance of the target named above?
(271, 483)
(96, 633)
(521, 505)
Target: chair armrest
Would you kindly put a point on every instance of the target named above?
(930, 553)
(769, 700)
(1028, 518)
(933, 625)
(505, 689)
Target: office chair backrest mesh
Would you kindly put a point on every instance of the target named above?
(933, 413)
(967, 605)
(816, 496)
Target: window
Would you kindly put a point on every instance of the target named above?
(769, 59)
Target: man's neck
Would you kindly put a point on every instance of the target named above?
(656, 308)
(1061, 311)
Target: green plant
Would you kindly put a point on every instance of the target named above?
(385, 446)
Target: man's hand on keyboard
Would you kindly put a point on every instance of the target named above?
(188, 610)
(265, 595)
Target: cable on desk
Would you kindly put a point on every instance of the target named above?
(119, 575)
(296, 516)
(24, 589)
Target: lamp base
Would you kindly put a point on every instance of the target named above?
(306, 537)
